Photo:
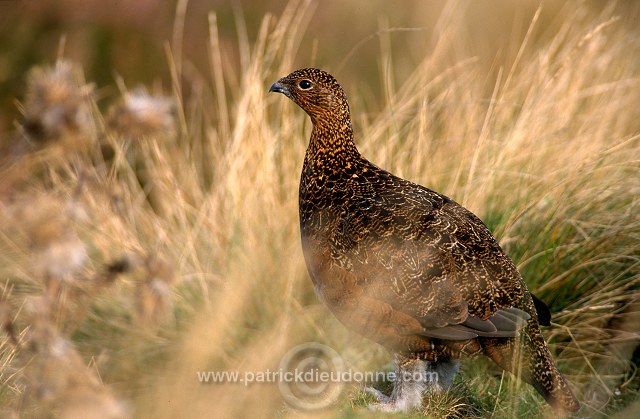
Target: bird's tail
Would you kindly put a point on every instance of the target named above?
(529, 358)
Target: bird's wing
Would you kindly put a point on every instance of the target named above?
(428, 257)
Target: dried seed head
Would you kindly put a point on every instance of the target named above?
(57, 252)
(155, 291)
(57, 376)
(142, 114)
(61, 259)
(56, 102)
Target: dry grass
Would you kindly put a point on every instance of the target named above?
(162, 239)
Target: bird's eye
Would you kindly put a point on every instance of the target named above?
(305, 84)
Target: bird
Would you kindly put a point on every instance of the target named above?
(408, 267)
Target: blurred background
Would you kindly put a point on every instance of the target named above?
(133, 39)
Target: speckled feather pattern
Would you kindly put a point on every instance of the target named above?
(406, 266)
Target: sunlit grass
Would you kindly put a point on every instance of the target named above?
(159, 238)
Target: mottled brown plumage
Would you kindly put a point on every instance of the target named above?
(406, 266)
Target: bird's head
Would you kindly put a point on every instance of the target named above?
(317, 92)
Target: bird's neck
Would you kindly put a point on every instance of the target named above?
(332, 143)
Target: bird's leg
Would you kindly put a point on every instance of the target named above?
(412, 377)
(445, 372)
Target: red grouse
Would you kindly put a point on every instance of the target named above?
(407, 267)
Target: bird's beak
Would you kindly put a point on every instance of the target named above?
(278, 87)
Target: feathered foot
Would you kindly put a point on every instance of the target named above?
(412, 378)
